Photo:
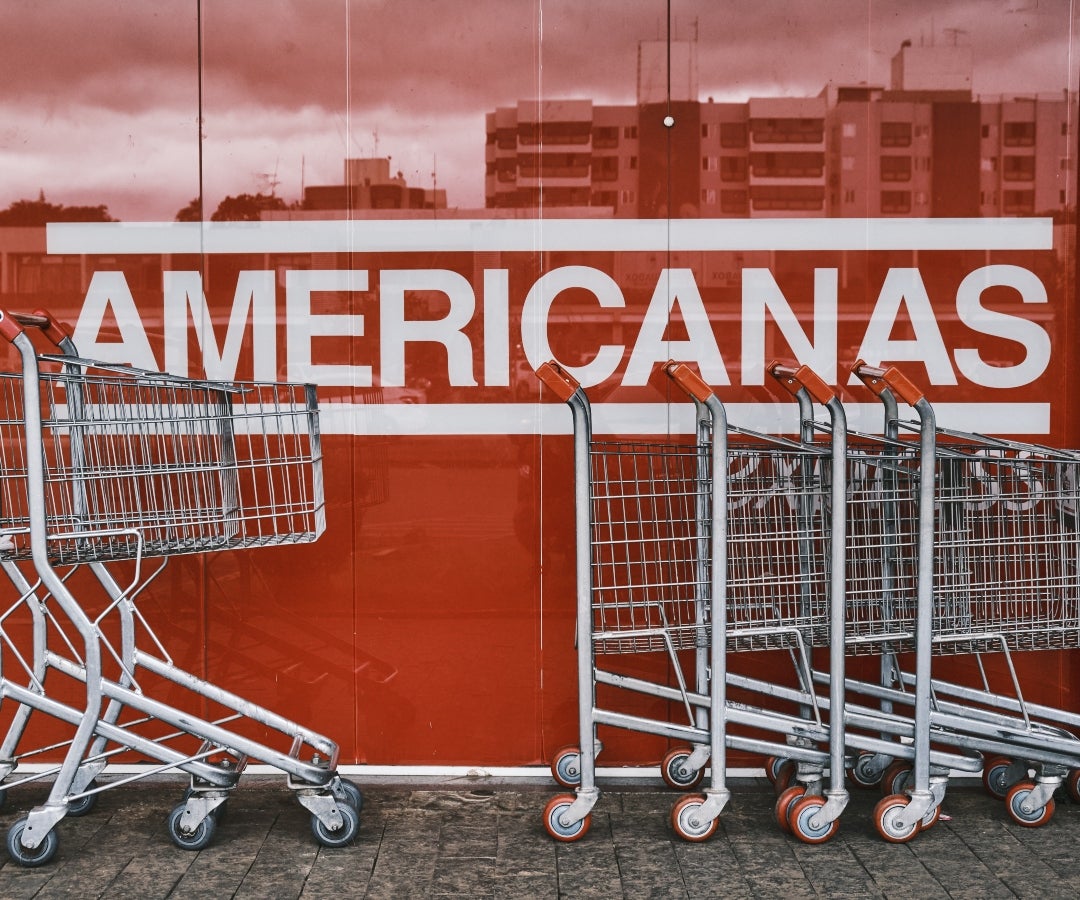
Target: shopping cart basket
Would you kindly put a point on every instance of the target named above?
(111, 463)
(868, 624)
(1006, 552)
(662, 528)
(807, 548)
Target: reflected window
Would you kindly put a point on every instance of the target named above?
(895, 134)
(896, 168)
(1019, 203)
(787, 165)
(532, 133)
(38, 273)
(605, 137)
(1018, 168)
(605, 168)
(1018, 134)
(733, 168)
(795, 197)
(734, 203)
(895, 202)
(788, 131)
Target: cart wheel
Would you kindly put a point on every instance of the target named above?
(197, 839)
(895, 778)
(218, 812)
(30, 859)
(686, 821)
(785, 774)
(995, 777)
(1014, 801)
(1072, 785)
(347, 792)
(864, 774)
(337, 837)
(556, 806)
(885, 819)
(930, 819)
(787, 799)
(676, 776)
(799, 815)
(566, 767)
(772, 767)
(83, 805)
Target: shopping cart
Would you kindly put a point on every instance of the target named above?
(645, 581)
(883, 611)
(709, 548)
(1006, 561)
(818, 555)
(106, 463)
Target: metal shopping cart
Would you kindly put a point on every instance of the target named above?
(707, 548)
(645, 580)
(817, 553)
(1006, 551)
(106, 463)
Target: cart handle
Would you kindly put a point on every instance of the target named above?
(558, 379)
(13, 323)
(880, 380)
(688, 380)
(50, 326)
(796, 379)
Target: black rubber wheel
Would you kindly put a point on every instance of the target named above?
(197, 839)
(83, 805)
(30, 859)
(340, 837)
(347, 792)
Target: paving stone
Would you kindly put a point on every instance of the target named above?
(484, 842)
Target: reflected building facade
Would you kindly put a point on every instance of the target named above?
(925, 146)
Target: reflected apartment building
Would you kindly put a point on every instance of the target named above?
(924, 146)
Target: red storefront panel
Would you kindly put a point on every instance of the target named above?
(917, 222)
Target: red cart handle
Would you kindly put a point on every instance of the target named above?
(13, 323)
(9, 326)
(795, 379)
(558, 379)
(50, 326)
(688, 380)
(880, 380)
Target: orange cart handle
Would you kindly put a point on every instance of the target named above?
(9, 326)
(795, 379)
(558, 379)
(688, 380)
(50, 326)
(880, 380)
(13, 323)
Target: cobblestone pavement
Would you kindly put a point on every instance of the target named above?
(478, 839)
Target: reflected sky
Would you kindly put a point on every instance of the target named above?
(101, 97)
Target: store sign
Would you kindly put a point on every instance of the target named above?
(487, 331)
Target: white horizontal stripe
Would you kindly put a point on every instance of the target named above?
(527, 235)
(647, 418)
